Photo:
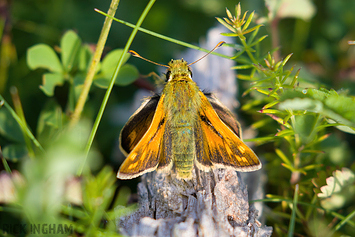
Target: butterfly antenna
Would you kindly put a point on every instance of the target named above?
(216, 47)
(135, 54)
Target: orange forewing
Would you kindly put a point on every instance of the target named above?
(138, 125)
(146, 155)
(220, 145)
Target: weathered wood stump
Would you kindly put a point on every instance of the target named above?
(210, 204)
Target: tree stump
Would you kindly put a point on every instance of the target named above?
(210, 204)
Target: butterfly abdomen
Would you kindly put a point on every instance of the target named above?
(182, 107)
(183, 149)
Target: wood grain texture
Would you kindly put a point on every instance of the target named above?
(210, 204)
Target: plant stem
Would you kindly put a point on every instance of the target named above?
(112, 82)
(293, 214)
(246, 46)
(275, 38)
(95, 60)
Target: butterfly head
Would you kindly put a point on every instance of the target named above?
(177, 70)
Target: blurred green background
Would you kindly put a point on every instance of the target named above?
(319, 45)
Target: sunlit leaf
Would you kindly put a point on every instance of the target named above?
(339, 189)
(127, 74)
(330, 104)
(70, 48)
(346, 129)
(43, 56)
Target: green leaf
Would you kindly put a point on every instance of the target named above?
(70, 48)
(43, 56)
(341, 105)
(101, 187)
(15, 152)
(304, 126)
(302, 104)
(330, 104)
(85, 56)
(346, 129)
(9, 128)
(127, 74)
(229, 34)
(283, 157)
(285, 132)
(110, 62)
(49, 121)
(50, 81)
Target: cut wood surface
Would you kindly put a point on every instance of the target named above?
(210, 204)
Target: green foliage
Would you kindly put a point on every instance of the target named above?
(46, 190)
(43, 56)
(337, 107)
(302, 117)
(127, 74)
(74, 63)
(98, 193)
(9, 128)
(50, 122)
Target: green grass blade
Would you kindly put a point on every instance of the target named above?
(163, 36)
(5, 164)
(27, 131)
(344, 221)
(23, 125)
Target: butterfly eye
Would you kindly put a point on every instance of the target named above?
(167, 75)
(190, 72)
